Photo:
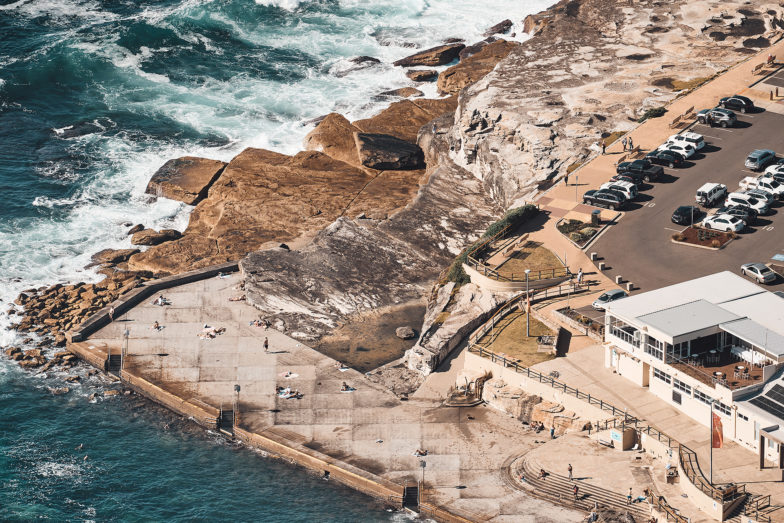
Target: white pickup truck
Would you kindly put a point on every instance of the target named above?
(766, 184)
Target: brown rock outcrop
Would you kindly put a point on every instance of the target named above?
(422, 75)
(403, 119)
(185, 179)
(152, 237)
(385, 152)
(403, 92)
(474, 67)
(499, 28)
(112, 256)
(439, 55)
(334, 136)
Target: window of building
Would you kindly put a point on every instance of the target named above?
(655, 348)
(743, 417)
(624, 331)
(703, 397)
(678, 384)
(661, 375)
(676, 397)
(721, 407)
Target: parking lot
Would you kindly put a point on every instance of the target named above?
(639, 246)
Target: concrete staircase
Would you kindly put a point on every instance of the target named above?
(558, 488)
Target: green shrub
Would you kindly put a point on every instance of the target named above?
(456, 272)
(588, 232)
(656, 112)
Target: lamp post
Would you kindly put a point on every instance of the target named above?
(527, 306)
(422, 464)
(124, 350)
(236, 404)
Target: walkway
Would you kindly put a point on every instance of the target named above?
(369, 430)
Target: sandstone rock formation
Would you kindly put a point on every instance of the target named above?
(592, 67)
(403, 92)
(403, 119)
(186, 179)
(113, 256)
(499, 28)
(474, 67)
(439, 55)
(152, 237)
(422, 75)
(385, 152)
(334, 136)
(405, 332)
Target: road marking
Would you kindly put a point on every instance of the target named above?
(650, 204)
(675, 230)
(714, 137)
(769, 228)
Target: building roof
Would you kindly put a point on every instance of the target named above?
(688, 317)
(756, 334)
(765, 308)
(716, 288)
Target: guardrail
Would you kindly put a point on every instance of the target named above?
(753, 508)
(669, 511)
(691, 467)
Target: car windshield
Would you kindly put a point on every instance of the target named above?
(753, 201)
(604, 297)
(764, 270)
(774, 184)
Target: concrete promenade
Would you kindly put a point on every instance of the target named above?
(369, 431)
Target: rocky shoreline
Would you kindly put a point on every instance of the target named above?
(372, 211)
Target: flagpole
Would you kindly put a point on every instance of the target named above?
(711, 443)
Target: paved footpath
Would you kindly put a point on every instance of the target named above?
(369, 428)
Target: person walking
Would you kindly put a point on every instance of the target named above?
(576, 491)
(604, 147)
(552, 432)
(629, 497)
(623, 142)
(266, 344)
(566, 179)
(580, 276)
(570, 472)
(111, 313)
(630, 144)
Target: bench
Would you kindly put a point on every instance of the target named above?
(758, 69)
(606, 442)
(675, 122)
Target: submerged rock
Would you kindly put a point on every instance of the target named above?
(403, 92)
(422, 75)
(405, 333)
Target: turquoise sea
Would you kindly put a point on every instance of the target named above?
(94, 96)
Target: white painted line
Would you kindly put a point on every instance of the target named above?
(769, 228)
(675, 230)
(650, 204)
(709, 136)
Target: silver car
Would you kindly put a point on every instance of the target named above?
(759, 271)
(613, 294)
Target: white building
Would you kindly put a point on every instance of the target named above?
(717, 339)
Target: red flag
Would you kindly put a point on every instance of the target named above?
(528, 305)
(717, 438)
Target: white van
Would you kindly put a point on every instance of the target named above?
(628, 189)
(688, 138)
(710, 193)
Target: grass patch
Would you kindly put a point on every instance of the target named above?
(680, 85)
(573, 167)
(509, 339)
(532, 256)
(656, 112)
(612, 137)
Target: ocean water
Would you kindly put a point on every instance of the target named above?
(94, 96)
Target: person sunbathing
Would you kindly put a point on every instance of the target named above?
(420, 452)
(156, 326)
(238, 298)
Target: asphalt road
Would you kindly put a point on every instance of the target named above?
(639, 246)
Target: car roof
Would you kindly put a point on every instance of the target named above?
(708, 186)
(756, 265)
(756, 153)
(692, 136)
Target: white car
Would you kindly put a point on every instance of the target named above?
(628, 189)
(724, 222)
(685, 150)
(688, 138)
(776, 168)
(739, 198)
(761, 194)
(769, 185)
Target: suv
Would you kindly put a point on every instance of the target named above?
(721, 117)
(737, 103)
(735, 198)
(628, 189)
(767, 184)
(668, 158)
(758, 159)
(688, 138)
(609, 199)
(710, 193)
(645, 169)
(747, 214)
(684, 149)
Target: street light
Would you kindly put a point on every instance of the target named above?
(527, 306)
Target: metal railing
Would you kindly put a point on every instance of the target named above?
(669, 511)
(753, 508)
(691, 467)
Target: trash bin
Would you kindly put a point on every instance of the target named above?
(596, 217)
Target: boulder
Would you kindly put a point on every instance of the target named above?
(422, 75)
(334, 136)
(59, 340)
(112, 256)
(472, 49)
(152, 237)
(403, 119)
(439, 55)
(185, 179)
(136, 228)
(365, 60)
(403, 92)
(475, 67)
(385, 152)
(405, 333)
(499, 28)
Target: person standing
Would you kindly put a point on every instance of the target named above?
(576, 491)
(580, 276)
(552, 432)
(623, 142)
(566, 179)
(111, 313)
(630, 144)
(604, 147)
(629, 497)
(266, 344)
(570, 472)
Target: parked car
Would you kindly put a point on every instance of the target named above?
(724, 222)
(628, 189)
(612, 295)
(747, 214)
(668, 158)
(685, 150)
(697, 141)
(634, 180)
(643, 168)
(765, 184)
(778, 176)
(758, 159)
(776, 168)
(761, 194)
(687, 215)
(721, 117)
(609, 199)
(759, 271)
(710, 193)
(737, 103)
(735, 198)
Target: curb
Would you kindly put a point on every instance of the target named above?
(702, 246)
